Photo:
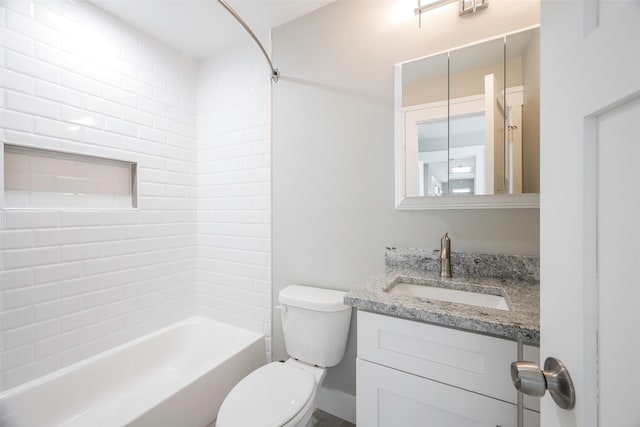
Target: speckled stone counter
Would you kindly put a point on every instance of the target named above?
(523, 296)
(517, 267)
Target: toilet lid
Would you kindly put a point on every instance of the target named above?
(269, 396)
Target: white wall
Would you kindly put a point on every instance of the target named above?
(76, 282)
(234, 219)
(333, 189)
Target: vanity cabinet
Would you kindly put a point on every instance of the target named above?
(416, 374)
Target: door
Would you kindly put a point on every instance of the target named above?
(590, 207)
(413, 118)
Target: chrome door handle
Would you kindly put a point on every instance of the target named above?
(529, 379)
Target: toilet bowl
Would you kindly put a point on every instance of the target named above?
(315, 324)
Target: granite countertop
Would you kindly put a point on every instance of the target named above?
(523, 320)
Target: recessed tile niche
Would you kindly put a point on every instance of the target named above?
(37, 178)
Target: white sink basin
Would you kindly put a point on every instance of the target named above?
(451, 295)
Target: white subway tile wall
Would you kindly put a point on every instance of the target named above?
(234, 199)
(74, 283)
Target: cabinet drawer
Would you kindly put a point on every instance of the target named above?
(474, 362)
(390, 398)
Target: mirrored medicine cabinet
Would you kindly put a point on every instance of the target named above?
(467, 126)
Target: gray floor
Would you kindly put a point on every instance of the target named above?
(320, 419)
(323, 419)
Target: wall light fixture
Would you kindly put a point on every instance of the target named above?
(466, 6)
(471, 6)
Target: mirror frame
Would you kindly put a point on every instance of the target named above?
(495, 201)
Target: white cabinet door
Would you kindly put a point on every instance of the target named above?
(391, 398)
(474, 362)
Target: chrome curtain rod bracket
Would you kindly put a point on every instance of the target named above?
(275, 74)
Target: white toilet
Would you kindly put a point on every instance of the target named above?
(315, 323)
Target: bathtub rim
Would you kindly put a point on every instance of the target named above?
(14, 391)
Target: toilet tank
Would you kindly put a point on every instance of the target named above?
(315, 324)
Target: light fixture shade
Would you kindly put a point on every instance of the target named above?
(461, 169)
(471, 6)
(461, 190)
(466, 6)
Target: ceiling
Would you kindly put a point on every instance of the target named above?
(199, 28)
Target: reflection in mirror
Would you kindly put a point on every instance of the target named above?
(468, 130)
(476, 155)
(523, 51)
(425, 83)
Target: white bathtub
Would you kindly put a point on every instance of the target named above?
(175, 377)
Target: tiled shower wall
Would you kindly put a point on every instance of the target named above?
(76, 282)
(234, 234)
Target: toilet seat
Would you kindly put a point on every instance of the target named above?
(278, 392)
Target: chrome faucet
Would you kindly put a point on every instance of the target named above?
(445, 256)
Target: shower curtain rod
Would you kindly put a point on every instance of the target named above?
(275, 74)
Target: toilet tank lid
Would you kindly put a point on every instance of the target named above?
(312, 298)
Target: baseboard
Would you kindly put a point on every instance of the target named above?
(337, 403)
